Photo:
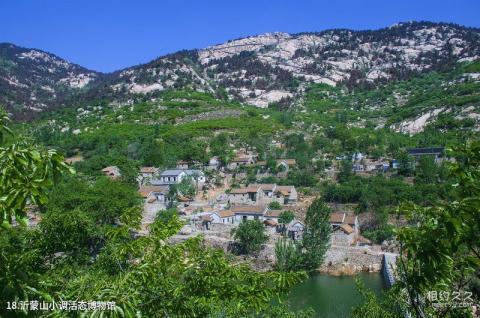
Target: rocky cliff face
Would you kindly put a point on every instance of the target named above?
(275, 66)
(259, 70)
(32, 80)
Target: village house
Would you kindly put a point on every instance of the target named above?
(281, 164)
(175, 176)
(436, 152)
(237, 162)
(394, 164)
(295, 230)
(74, 159)
(338, 218)
(273, 215)
(238, 196)
(213, 164)
(357, 157)
(345, 228)
(171, 176)
(358, 167)
(376, 165)
(266, 188)
(248, 212)
(112, 172)
(343, 235)
(286, 164)
(155, 198)
(224, 217)
(147, 174)
(286, 194)
(255, 193)
(278, 145)
(182, 164)
(264, 194)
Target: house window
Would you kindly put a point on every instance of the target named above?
(255, 217)
(244, 218)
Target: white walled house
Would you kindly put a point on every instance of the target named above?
(147, 174)
(175, 176)
(197, 176)
(224, 217)
(152, 194)
(155, 200)
(171, 176)
(248, 212)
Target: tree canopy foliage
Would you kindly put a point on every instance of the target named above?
(250, 236)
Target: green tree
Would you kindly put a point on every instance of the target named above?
(346, 171)
(167, 215)
(406, 164)
(186, 187)
(274, 205)
(426, 171)
(71, 232)
(440, 247)
(289, 255)
(250, 236)
(105, 200)
(286, 217)
(316, 238)
(271, 165)
(27, 172)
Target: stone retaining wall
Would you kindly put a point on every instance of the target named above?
(342, 260)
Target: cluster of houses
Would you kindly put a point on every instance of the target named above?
(252, 201)
(345, 226)
(263, 194)
(243, 212)
(368, 165)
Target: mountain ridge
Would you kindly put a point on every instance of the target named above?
(257, 70)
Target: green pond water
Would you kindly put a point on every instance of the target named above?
(332, 297)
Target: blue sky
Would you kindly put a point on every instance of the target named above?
(107, 35)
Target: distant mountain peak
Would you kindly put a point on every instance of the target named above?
(258, 70)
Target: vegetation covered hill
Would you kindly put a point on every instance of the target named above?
(256, 70)
(328, 123)
(32, 80)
